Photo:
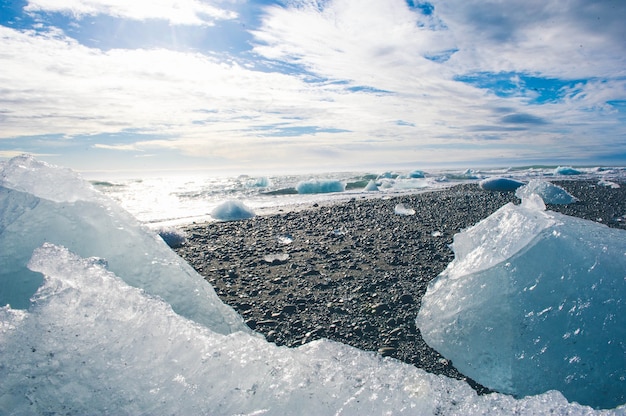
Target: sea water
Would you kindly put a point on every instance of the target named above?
(107, 330)
(179, 199)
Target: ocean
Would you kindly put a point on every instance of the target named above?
(182, 199)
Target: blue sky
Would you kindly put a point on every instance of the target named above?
(307, 85)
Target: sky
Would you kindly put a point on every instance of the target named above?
(306, 85)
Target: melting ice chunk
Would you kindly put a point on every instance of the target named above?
(534, 301)
(498, 184)
(81, 219)
(402, 209)
(232, 211)
(371, 186)
(276, 258)
(320, 186)
(566, 170)
(94, 345)
(549, 192)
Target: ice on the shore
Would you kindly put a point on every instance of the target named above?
(275, 258)
(416, 174)
(609, 184)
(549, 192)
(232, 210)
(566, 170)
(173, 237)
(40, 203)
(534, 301)
(320, 186)
(371, 186)
(262, 182)
(107, 332)
(499, 184)
(402, 209)
(91, 344)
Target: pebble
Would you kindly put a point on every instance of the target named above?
(386, 351)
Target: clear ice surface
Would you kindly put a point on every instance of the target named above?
(117, 324)
(549, 192)
(401, 209)
(40, 203)
(534, 301)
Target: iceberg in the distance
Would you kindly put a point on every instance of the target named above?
(566, 170)
(320, 186)
(371, 186)
(534, 301)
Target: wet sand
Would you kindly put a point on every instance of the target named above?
(355, 271)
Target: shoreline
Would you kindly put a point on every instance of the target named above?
(353, 271)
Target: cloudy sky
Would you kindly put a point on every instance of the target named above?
(239, 85)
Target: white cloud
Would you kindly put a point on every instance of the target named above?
(372, 84)
(179, 12)
(573, 39)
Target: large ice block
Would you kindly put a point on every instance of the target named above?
(534, 301)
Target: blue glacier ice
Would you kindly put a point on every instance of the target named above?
(116, 323)
(499, 184)
(40, 203)
(566, 170)
(549, 192)
(232, 211)
(371, 186)
(320, 186)
(534, 301)
(416, 174)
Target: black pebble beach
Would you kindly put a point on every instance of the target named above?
(354, 271)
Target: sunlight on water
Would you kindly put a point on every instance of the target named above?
(172, 200)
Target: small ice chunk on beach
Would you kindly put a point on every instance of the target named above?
(498, 184)
(320, 186)
(173, 237)
(549, 192)
(284, 239)
(608, 184)
(532, 302)
(232, 211)
(276, 258)
(402, 209)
